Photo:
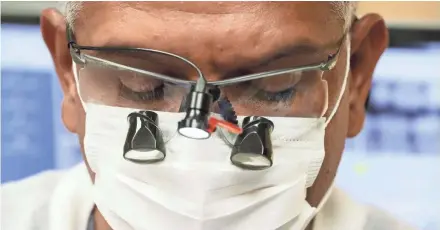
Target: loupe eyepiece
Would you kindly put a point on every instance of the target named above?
(144, 142)
(253, 147)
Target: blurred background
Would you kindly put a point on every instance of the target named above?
(394, 163)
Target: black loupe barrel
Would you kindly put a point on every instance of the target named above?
(144, 142)
(253, 147)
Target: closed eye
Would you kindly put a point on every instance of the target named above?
(280, 96)
(142, 96)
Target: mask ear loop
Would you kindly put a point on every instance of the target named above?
(344, 83)
(326, 196)
(75, 74)
(320, 205)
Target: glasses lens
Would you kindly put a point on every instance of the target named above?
(305, 94)
(293, 94)
(296, 94)
(108, 78)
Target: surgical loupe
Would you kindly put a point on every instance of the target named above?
(253, 147)
(145, 143)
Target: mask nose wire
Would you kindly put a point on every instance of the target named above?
(344, 83)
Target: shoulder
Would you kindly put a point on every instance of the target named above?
(25, 202)
(378, 219)
(343, 212)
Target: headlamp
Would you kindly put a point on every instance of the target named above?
(198, 124)
(195, 124)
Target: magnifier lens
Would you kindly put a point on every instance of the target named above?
(253, 147)
(144, 141)
(251, 160)
(146, 155)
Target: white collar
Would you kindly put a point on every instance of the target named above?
(72, 200)
(340, 212)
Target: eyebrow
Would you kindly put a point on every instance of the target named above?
(302, 47)
(115, 51)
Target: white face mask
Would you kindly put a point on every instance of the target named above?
(196, 186)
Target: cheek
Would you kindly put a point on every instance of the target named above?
(334, 146)
(335, 135)
(81, 118)
(335, 79)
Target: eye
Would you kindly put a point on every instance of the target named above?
(142, 96)
(140, 88)
(280, 88)
(256, 93)
(280, 96)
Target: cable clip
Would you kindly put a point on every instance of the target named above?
(213, 123)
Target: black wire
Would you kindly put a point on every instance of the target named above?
(227, 111)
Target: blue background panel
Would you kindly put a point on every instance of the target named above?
(26, 124)
(33, 136)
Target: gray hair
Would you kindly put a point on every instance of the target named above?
(70, 11)
(345, 10)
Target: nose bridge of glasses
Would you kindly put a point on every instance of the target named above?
(209, 74)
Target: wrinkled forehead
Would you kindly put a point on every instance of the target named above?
(201, 30)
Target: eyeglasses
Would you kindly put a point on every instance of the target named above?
(79, 58)
(127, 77)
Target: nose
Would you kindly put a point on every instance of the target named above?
(210, 76)
(206, 64)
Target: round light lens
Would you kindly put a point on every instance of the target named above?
(194, 133)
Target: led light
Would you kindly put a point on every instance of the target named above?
(253, 147)
(195, 124)
(144, 142)
(194, 133)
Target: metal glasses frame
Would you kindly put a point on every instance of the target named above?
(75, 51)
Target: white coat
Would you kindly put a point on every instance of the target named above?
(61, 200)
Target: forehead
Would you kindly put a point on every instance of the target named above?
(305, 20)
(195, 29)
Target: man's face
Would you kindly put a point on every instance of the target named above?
(226, 38)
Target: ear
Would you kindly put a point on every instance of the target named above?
(369, 40)
(53, 29)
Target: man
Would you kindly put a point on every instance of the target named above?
(102, 86)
